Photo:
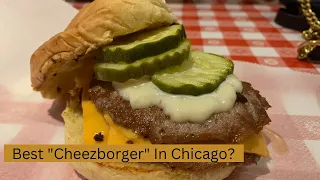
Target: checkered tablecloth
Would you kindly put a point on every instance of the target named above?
(264, 55)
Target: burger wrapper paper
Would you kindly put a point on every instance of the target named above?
(27, 118)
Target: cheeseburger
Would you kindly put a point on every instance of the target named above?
(129, 76)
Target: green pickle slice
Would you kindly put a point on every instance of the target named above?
(121, 72)
(202, 73)
(143, 44)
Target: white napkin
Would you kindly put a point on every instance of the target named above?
(24, 26)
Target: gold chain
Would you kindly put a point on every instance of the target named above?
(309, 14)
(312, 35)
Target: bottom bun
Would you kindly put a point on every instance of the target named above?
(130, 171)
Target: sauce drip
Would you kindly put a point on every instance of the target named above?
(278, 144)
(143, 93)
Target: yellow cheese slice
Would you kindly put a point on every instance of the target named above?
(257, 145)
(95, 122)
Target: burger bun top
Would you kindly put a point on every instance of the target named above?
(60, 64)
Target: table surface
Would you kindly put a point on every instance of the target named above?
(242, 33)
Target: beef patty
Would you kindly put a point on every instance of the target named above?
(246, 118)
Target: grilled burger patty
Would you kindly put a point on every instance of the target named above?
(246, 118)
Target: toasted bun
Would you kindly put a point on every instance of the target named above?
(129, 171)
(56, 65)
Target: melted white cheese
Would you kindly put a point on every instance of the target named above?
(143, 93)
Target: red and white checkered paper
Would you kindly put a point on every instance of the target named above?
(264, 55)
